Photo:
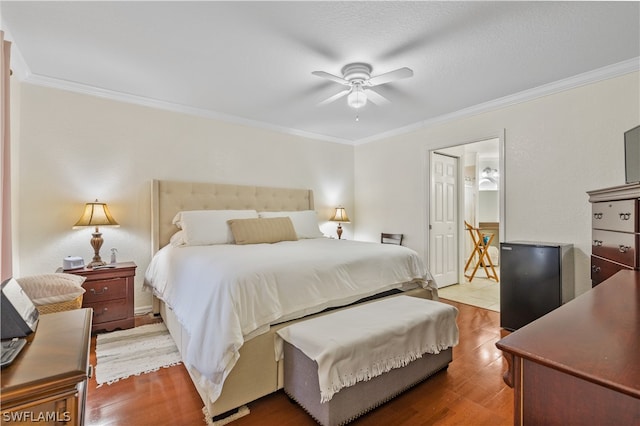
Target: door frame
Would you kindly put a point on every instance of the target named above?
(500, 135)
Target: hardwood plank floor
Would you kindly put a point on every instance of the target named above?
(470, 392)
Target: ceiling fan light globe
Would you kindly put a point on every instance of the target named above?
(357, 98)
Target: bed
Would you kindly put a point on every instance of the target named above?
(246, 367)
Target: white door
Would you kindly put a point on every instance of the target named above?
(443, 234)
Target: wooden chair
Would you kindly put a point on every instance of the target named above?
(391, 238)
(481, 243)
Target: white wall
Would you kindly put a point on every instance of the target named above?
(557, 147)
(489, 206)
(72, 148)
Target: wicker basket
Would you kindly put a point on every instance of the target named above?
(61, 306)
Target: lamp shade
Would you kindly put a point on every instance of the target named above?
(340, 215)
(96, 214)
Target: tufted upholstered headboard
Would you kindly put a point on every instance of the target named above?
(170, 197)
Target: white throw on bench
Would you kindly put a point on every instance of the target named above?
(362, 343)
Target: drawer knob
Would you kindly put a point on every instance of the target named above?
(597, 243)
(104, 290)
(623, 249)
(104, 310)
(597, 215)
(625, 216)
(595, 268)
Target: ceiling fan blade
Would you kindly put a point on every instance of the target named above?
(376, 97)
(335, 97)
(398, 74)
(331, 77)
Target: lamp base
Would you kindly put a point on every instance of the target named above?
(96, 243)
(94, 263)
(339, 231)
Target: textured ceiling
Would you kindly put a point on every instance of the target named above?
(252, 61)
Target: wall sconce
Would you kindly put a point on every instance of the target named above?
(488, 179)
(96, 214)
(340, 216)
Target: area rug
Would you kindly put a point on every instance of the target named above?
(121, 354)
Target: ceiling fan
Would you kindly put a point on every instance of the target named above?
(357, 76)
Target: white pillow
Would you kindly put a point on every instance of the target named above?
(178, 239)
(206, 227)
(305, 222)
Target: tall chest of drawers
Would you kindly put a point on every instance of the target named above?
(615, 238)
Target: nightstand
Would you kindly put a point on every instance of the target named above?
(109, 291)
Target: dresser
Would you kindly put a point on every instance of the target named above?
(46, 384)
(615, 242)
(109, 292)
(580, 364)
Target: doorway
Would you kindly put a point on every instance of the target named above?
(479, 201)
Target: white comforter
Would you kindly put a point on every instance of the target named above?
(225, 294)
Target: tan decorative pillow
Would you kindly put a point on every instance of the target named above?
(45, 289)
(257, 231)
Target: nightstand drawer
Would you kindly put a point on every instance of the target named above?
(103, 290)
(109, 311)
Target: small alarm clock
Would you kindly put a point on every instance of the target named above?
(72, 262)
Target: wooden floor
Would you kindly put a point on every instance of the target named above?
(469, 392)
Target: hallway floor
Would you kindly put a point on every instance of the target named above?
(481, 292)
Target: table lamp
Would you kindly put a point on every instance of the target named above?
(340, 216)
(96, 214)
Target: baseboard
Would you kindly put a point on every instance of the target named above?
(142, 310)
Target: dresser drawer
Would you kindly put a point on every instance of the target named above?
(617, 246)
(103, 290)
(615, 215)
(601, 269)
(109, 311)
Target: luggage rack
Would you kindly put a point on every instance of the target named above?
(481, 243)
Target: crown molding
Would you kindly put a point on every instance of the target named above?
(604, 73)
(55, 83)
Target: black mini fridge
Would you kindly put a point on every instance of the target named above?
(535, 278)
